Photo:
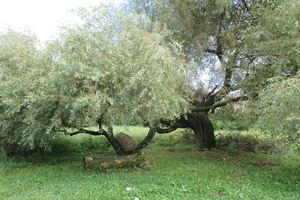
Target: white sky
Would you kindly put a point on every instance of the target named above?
(42, 17)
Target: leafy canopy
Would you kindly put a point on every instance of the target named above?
(251, 43)
(107, 64)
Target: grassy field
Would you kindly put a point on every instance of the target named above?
(176, 171)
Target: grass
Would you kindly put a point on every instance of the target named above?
(178, 171)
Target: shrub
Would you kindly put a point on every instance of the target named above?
(253, 141)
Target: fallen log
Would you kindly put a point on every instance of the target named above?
(130, 161)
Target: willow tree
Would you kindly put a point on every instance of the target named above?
(237, 40)
(103, 70)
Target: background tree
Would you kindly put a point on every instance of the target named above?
(234, 38)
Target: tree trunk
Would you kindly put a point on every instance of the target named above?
(203, 130)
(114, 143)
(199, 123)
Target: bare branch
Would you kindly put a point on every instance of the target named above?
(165, 130)
(210, 93)
(101, 118)
(223, 103)
(227, 78)
(236, 99)
(112, 140)
(84, 131)
(146, 140)
(246, 5)
(214, 51)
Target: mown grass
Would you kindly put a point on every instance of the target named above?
(177, 171)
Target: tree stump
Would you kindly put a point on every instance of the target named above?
(130, 161)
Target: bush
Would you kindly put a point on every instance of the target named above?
(279, 109)
(253, 141)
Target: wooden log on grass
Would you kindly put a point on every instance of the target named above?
(130, 161)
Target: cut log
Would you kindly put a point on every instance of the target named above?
(130, 161)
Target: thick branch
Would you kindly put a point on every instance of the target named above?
(229, 66)
(246, 5)
(85, 131)
(236, 99)
(165, 130)
(146, 140)
(178, 123)
(227, 79)
(210, 93)
(112, 140)
(223, 103)
(101, 117)
(210, 51)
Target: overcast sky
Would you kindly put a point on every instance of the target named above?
(42, 17)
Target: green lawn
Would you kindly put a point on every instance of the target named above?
(176, 171)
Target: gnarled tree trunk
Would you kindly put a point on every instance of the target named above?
(199, 122)
(203, 130)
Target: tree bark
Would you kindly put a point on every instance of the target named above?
(112, 140)
(203, 130)
(145, 142)
(115, 162)
(199, 122)
(201, 125)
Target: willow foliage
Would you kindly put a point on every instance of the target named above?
(279, 108)
(108, 63)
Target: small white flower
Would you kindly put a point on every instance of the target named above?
(128, 189)
(136, 198)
